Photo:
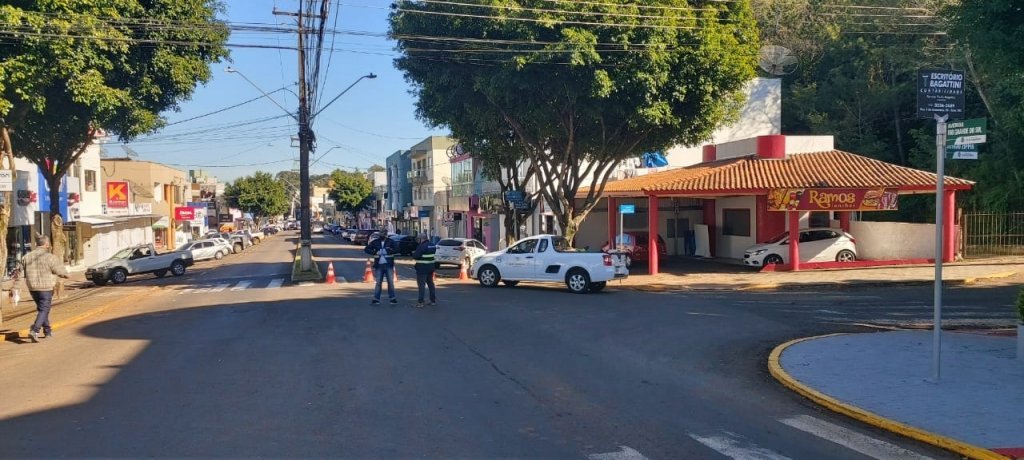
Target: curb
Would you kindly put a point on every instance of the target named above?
(778, 286)
(950, 444)
(23, 333)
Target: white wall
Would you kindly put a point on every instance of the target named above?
(893, 240)
(761, 115)
(92, 201)
(733, 246)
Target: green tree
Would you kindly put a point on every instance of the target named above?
(259, 194)
(583, 86)
(71, 69)
(351, 192)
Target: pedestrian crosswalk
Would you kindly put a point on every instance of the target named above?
(736, 446)
(232, 286)
(729, 444)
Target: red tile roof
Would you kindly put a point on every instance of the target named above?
(750, 174)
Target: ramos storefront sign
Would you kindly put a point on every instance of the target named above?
(833, 199)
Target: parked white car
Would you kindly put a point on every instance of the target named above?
(816, 245)
(137, 260)
(224, 243)
(456, 251)
(549, 258)
(206, 249)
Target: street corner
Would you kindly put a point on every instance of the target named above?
(780, 374)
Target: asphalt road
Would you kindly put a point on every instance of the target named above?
(232, 362)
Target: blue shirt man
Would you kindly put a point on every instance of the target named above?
(383, 250)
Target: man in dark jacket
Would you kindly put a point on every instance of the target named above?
(383, 250)
(424, 255)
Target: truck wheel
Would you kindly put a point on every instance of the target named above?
(119, 275)
(596, 287)
(488, 276)
(578, 281)
(238, 247)
(178, 268)
(160, 273)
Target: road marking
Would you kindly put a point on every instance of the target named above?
(831, 312)
(731, 447)
(241, 286)
(874, 448)
(703, 314)
(186, 291)
(219, 287)
(201, 290)
(275, 283)
(625, 454)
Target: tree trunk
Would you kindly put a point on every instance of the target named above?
(6, 151)
(58, 241)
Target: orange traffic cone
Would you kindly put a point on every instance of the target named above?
(462, 272)
(368, 273)
(330, 273)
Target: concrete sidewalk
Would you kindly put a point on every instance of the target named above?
(976, 409)
(69, 310)
(720, 276)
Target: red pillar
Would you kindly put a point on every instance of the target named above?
(709, 220)
(652, 235)
(844, 221)
(794, 240)
(949, 226)
(613, 225)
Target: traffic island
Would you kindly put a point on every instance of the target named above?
(299, 276)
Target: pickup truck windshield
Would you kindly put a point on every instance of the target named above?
(122, 254)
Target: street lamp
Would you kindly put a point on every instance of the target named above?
(369, 75)
(265, 94)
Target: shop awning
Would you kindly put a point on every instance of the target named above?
(161, 223)
(95, 221)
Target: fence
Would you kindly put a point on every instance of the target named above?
(992, 234)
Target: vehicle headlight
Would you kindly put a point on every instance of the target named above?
(759, 252)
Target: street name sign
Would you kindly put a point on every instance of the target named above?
(627, 209)
(940, 93)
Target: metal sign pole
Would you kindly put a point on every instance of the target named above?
(940, 182)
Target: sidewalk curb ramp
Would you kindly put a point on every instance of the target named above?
(835, 405)
(12, 336)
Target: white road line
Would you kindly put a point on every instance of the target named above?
(703, 314)
(874, 448)
(626, 453)
(220, 287)
(731, 447)
(241, 286)
(831, 312)
(275, 283)
(201, 290)
(186, 291)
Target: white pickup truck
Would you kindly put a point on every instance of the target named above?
(137, 260)
(549, 258)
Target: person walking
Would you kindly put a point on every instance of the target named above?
(383, 250)
(41, 271)
(424, 256)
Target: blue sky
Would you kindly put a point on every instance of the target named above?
(369, 122)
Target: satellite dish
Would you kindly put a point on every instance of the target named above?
(447, 181)
(776, 60)
(128, 152)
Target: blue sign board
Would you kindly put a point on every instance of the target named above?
(517, 199)
(44, 196)
(627, 209)
(424, 213)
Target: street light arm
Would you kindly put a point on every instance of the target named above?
(369, 75)
(254, 85)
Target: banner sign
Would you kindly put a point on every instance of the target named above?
(627, 208)
(833, 199)
(940, 92)
(184, 213)
(117, 199)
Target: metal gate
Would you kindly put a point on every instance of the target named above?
(993, 234)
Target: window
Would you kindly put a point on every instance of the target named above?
(543, 246)
(526, 247)
(677, 228)
(562, 245)
(736, 222)
(819, 219)
(90, 180)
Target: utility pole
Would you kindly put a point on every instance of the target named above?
(305, 146)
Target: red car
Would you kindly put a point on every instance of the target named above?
(636, 244)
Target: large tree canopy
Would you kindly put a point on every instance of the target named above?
(351, 192)
(69, 69)
(259, 194)
(582, 86)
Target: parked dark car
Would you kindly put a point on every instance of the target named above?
(636, 244)
(363, 237)
(406, 243)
